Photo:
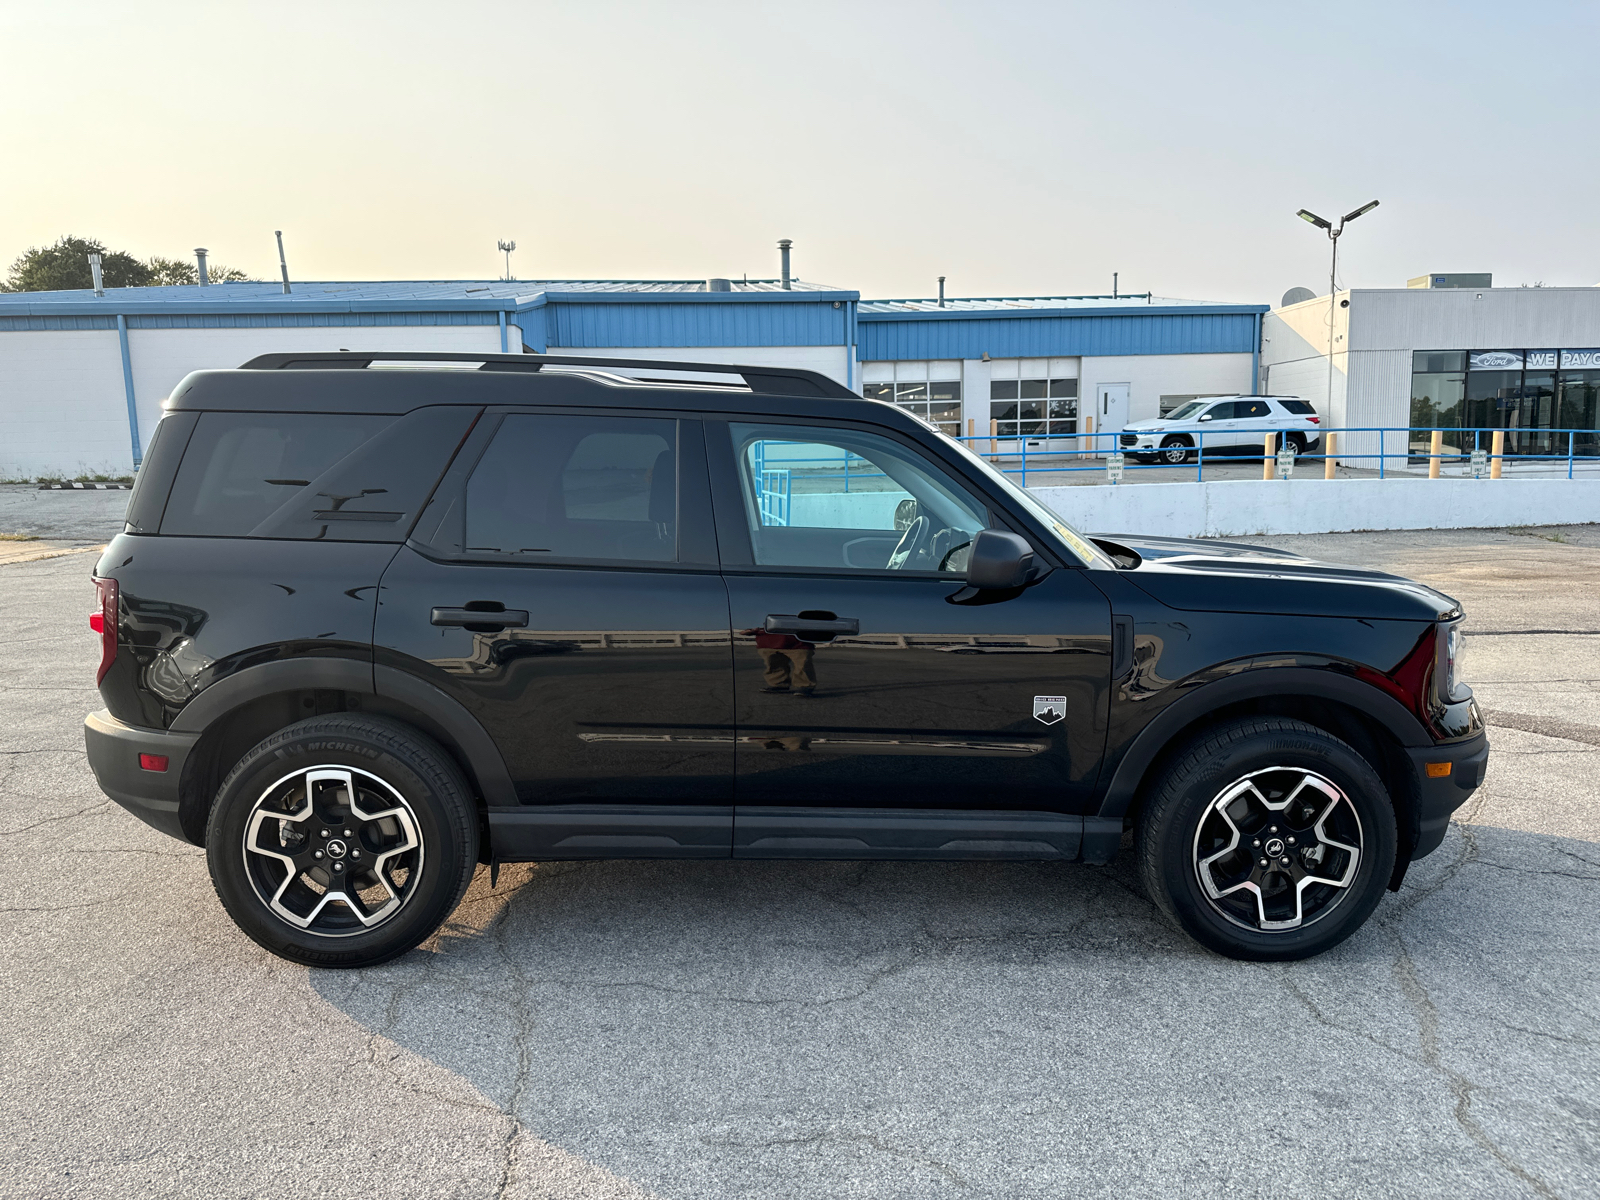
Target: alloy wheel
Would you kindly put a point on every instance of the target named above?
(333, 850)
(1278, 849)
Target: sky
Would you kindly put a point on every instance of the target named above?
(1016, 148)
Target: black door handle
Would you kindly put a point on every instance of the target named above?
(812, 629)
(478, 618)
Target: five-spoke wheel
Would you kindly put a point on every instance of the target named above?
(333, 849)
(342, 840)
(1267, 838)
(1278, 849)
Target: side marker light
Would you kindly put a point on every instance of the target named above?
(158, 762)
(1438, 770)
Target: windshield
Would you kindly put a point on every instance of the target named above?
(1077, 545)
(1184, 411)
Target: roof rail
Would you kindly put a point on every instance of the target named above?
(780, 381)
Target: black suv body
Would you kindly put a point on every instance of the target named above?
(367, 628)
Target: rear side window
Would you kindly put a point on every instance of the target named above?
(576, 487)
(1251, 408)
(312, 476)
(1298, 407)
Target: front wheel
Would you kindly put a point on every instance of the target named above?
(1268, 839)
(342, 841)
(1176, 451)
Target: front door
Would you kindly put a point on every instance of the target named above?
(857, 683)
(1111, 410)
(563, 587)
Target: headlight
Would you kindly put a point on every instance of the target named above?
(1455, 686)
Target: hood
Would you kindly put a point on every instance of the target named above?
(1202, 576)
(1146, 426)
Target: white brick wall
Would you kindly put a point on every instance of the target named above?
(63, 410)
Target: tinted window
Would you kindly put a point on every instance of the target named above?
(1299, 408)
(240, 468)
(842, 498)
(1221, 412)
(576, 487)
(1251, 408)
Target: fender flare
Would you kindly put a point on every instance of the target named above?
(362, 677)
(1249, 685)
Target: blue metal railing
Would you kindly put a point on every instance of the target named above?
(1012, 452)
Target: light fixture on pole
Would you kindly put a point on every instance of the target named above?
(1333, 272)
(506, 248)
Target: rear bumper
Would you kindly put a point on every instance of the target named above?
(1439, 796)
(114, 749)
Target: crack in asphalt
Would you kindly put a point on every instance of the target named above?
(52, 820)
(1415, 991)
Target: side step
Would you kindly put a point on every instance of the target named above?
(904, 833)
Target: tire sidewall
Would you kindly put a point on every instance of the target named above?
(447, 854)
(1187, 797)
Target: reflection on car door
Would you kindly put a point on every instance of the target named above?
(856, 681)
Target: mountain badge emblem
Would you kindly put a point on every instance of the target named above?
(1049, 709)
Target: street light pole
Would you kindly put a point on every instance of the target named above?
(1333, 232)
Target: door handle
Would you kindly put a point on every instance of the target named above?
(803, 624)
(474, 618)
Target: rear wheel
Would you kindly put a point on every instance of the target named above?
(1268, 839)
(1176, 451)
(342, 841)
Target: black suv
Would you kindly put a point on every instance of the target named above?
(378, 618)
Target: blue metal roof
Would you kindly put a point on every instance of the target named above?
(1054, 326)
(598, 313)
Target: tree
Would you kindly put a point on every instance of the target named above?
(65, 265)
(170, 272)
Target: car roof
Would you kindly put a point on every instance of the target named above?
(364, 383)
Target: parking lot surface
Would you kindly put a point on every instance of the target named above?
(716, 1029)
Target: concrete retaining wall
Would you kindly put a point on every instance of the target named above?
(1232, 508)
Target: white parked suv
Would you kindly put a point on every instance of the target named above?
(1229, 425)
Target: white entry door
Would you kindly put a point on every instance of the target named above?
(1110, 412)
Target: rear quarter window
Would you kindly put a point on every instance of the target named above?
(313, 476)
(1298, 407)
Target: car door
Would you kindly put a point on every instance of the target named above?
(1217, 428)
(563, 586)
(1253, 421)
(858, 682)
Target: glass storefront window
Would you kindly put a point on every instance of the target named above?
(1578, 407)
(938, 403)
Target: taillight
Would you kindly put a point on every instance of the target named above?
(1315, 420)
(104, 623)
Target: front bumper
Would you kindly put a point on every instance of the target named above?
(1439, 796)
(114, 749)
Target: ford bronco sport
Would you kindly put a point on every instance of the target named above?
(368, 627)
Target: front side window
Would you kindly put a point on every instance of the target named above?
(1221, 412)
(846, 499)
(576, 487)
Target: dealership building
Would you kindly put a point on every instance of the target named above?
(83, 376)
(1451, 353)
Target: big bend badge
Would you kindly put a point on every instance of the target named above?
(1049, 709)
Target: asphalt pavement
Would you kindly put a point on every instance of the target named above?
(714, 1029)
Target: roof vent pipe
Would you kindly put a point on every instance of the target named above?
(783, 247)
(719, 285)
(1114, 285)
(282, 265)
(200, 253)
(94, 269)
(941, 291)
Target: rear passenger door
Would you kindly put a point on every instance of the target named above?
(563, 586)
(1253, 419)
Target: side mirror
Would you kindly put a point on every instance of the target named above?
(1205, 416)
(999, 560)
